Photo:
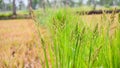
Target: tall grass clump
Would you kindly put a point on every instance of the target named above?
(74, 44)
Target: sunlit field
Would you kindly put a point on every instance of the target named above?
(61, 39)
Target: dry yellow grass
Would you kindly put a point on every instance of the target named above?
(19, 31)
(19, 44)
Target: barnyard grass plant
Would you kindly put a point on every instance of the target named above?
(74, 44)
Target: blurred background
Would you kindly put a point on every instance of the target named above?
(9, 5)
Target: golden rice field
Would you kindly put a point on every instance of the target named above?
(19, 44)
